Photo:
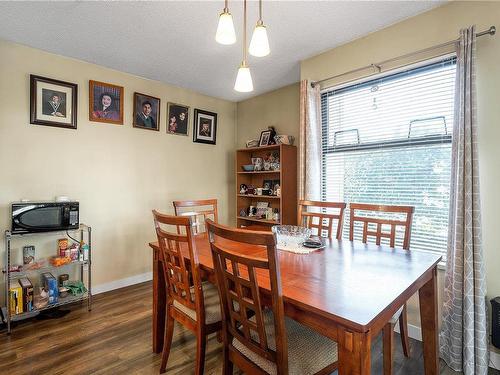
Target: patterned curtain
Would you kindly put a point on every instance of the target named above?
(464, 337)
(310, 142)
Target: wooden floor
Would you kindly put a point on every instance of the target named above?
(115, 338)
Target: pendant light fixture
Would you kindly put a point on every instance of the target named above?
(244, 78)
(259, 45)
(225, 29)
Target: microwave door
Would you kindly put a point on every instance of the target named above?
(41, 218)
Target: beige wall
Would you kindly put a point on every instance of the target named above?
(118, 173)
(278, 108)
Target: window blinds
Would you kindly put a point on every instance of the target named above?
(388, 141)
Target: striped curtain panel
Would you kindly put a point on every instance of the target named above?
(310, 142)
(464, 334)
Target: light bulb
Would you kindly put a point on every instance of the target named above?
(225, 29)
(243, 79)
(259, 45)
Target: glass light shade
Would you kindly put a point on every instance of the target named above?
(259, 45)
(225, 29)
(243, 79)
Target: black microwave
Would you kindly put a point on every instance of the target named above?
(33, 217)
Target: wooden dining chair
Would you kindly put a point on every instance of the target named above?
(199, 210)
(261, 340)
(190, 302)
(394, 217)
(314, 215)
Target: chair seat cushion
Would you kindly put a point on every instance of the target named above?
(308, 351)
(396, 316)
(212, 304)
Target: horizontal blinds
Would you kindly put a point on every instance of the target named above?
(388, 141)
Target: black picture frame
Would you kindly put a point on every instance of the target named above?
(46, 112)
(265, 137)
(201, 133)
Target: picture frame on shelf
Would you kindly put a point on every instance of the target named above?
(105, 103)
(178, 119)
(265, 137)
(53, 102)
(204, 126)
(146, 112)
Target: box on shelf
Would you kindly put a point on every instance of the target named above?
(50, 285)
(27, 287)
(15, 299)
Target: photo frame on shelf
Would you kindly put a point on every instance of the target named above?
(53, 102)
(265, 138)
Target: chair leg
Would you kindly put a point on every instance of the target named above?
(201, 344)
(403, 328)
(167, 342)
(227, 366)
(388, 337)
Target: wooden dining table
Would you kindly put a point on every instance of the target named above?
(347, 291)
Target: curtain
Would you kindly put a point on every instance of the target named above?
(464, 337)
(310, 142)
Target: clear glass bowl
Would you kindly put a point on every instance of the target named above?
(290, 235)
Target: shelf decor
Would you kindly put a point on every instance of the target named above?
(278, 188)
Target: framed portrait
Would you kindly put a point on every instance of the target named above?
(105, 103)
(146, 112)
(177, 121)
(53, 102)
(205, 126)
(265, 136)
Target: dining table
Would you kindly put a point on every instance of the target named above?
(346, 291)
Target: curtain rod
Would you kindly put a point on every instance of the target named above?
(491, 31)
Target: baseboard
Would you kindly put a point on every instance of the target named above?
(122, 283)
(415, 332)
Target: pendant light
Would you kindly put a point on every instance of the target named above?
(244, 78)
(259, 45)
(225, 29)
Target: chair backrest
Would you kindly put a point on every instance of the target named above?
(180, 276)
(199, 210)
(237, 281)
(402, 217)
(321, 217)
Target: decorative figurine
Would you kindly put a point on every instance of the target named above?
(243, 189)
(277, 190)
(243, 212)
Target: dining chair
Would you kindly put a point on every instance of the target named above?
(199, 210)
(261, 340)
(190, 302)
(378, 216)
(314, 215)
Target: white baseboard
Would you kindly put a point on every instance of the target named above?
(122, 283)
(415, 332)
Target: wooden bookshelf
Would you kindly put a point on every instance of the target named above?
(287, 175)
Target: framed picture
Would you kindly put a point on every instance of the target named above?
(146, 112)
(265, 136)
(205, 126)
(105, 103)
(53, 102)
(177, 121)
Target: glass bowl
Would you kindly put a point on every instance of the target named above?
(290, 235)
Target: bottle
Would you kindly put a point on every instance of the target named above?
(84, 250)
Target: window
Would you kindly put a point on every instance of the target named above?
(388, 141)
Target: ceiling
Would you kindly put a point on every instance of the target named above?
(173, 42)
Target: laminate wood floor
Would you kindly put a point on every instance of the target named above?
(115, 338)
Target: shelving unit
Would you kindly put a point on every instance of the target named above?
(83, 265)
(287, 174)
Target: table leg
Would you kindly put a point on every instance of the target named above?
(354, 352)
(429, 320)
(159, 303)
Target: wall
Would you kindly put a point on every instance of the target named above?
(432, 28)
(278, 108)
(118, 173)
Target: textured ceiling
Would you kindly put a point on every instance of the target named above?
(173, 42)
